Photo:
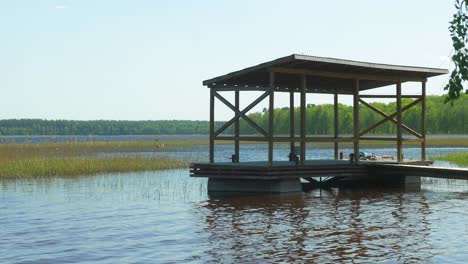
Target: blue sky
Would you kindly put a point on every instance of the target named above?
(145, 60)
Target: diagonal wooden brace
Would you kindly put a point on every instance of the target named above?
(390, 118)
(241, 114)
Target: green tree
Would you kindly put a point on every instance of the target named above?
(458, 31)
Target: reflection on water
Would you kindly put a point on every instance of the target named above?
(167, 217)
(345, 225)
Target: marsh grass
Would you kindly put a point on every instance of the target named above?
(74, 166)
(83, 149)
(80, 158)
(460, 159)
(88, 148)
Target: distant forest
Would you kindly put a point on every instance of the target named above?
(442, 118)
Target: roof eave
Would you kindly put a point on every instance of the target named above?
(429, 72)
(381, 66)
(249, 69)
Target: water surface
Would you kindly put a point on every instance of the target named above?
(168, 217)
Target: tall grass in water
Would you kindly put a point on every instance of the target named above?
(460, 159)
(89, 148)
(73, 166)
(80, 158)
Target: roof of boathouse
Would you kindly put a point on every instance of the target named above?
(323, 75)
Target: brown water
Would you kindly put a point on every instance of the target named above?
(167, 217)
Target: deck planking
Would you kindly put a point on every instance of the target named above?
(277, 170)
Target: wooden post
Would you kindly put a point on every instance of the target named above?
(291, 121)
(399, 127)
(423, 121)
(303, 117)
(236, 128)
(335, 121)
(270, 118)
(212, 136)
(356, 120)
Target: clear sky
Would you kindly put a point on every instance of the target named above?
(145, 60)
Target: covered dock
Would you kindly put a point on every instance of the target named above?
(302, 74)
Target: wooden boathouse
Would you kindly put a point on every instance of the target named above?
(303, 75)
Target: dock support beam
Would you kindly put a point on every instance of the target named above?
(291, 122)
(423, 121)
(303, 117)
(270, 118)
(335, 121)
(236, 128)
(399, 123)
(356, 120)
(212, 136)
(253, 186)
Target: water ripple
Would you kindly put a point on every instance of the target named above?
(167, 217)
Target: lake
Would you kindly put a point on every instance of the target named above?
(110, 138)
(168, 217)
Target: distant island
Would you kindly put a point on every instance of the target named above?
(442, 118)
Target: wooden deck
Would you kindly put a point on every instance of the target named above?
(321, 168)
(417, 170)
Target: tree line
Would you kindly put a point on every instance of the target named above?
(102, 127)
(442, 118)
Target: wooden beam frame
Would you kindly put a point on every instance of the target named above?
(314, 139)
(234, 87)
(335, 123)
(236, 128)
(302, 118)
(358, 135)
(399, 123)
(391, 139)
(212, 134)
(241, 113)
(356, 120)
(389, 118)
(291, 123)
(423, 120)
(389, 96)
(373, 77)
(288, 139)
(271, 113)
(230, 88)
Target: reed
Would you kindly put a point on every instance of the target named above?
(460, 158)
(88, 148)
(81, 158)
(73, 166)
(70, 149)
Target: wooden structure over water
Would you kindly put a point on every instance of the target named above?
(301, 74)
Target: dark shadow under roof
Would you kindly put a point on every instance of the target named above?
(323, 75)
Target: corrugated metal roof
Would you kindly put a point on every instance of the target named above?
(323, 73)
(382, 66)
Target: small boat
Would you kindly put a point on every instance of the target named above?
(363, 155)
